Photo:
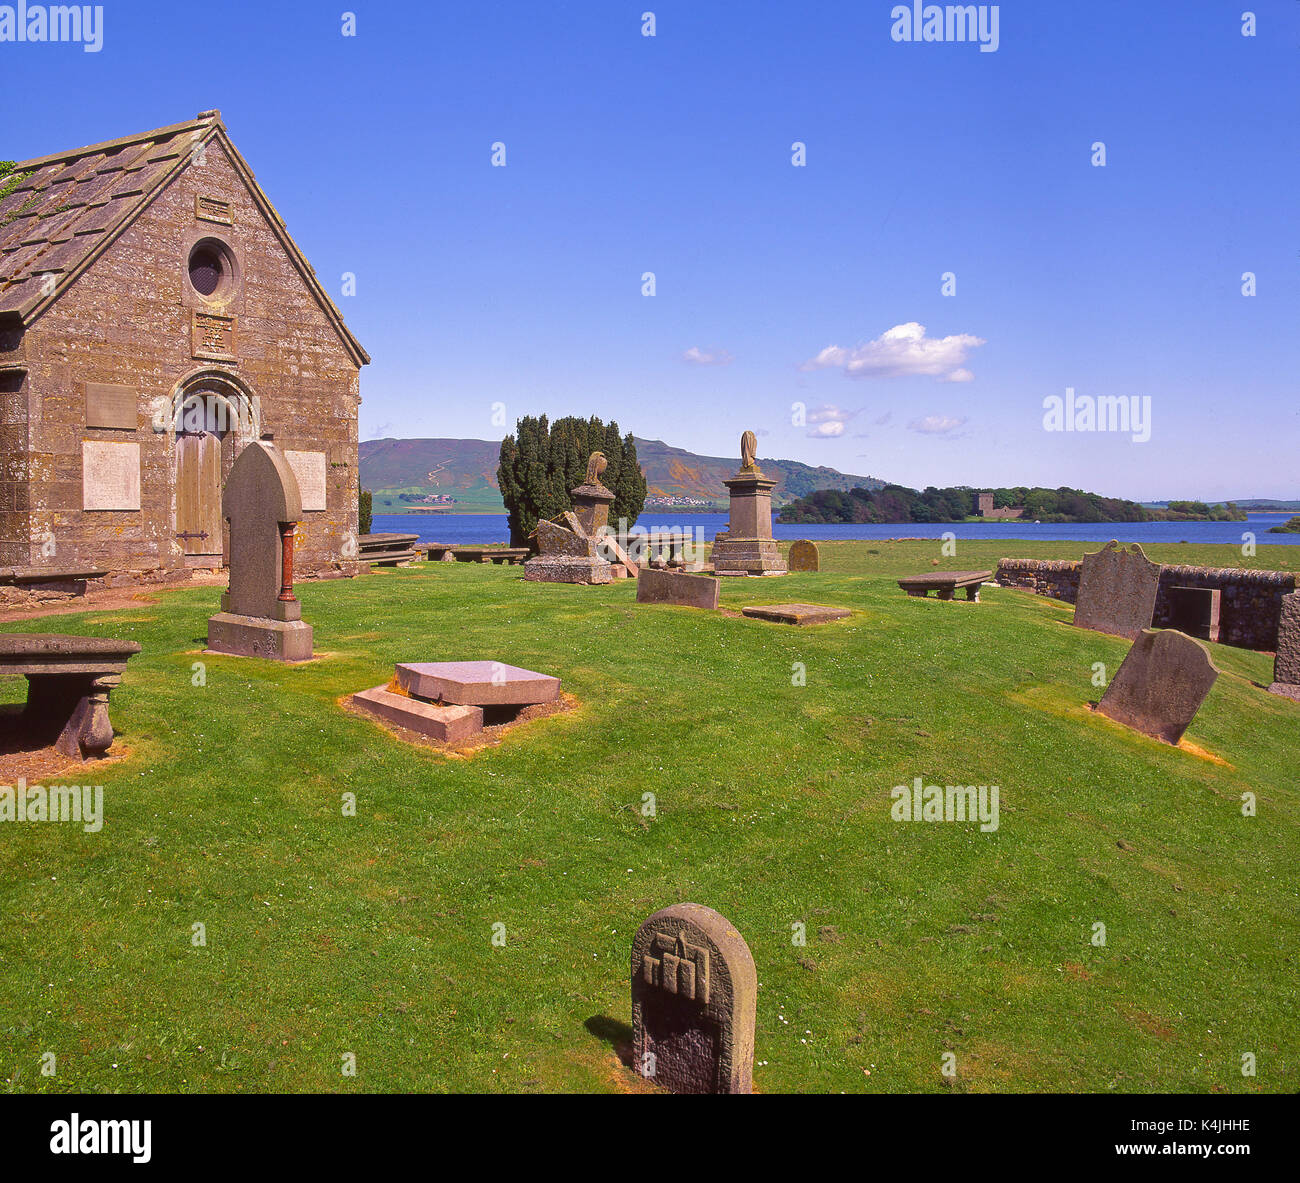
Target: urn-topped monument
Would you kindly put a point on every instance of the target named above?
(748, 547)
(568, 545)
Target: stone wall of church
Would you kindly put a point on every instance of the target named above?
(134, 328)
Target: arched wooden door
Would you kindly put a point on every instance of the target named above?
(198, 481)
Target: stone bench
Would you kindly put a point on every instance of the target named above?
(68, 683)
(439, 552)
(386, 550)
(946, 583)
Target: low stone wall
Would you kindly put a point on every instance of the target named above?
(1249, 609)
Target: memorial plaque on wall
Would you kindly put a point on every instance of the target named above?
(213, 336)
(110, 475)
(309, 471)
(112, 407)
(213, 209)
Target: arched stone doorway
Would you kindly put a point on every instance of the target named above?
(212, 418)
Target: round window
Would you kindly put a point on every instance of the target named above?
(211, 269)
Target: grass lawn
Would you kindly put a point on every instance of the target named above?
(329, 934)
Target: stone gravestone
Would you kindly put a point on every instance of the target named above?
(1286, 666)
(747, 546)
(1117, 591)
(694, 993)
(1161, 685)
(804, 556)
(675, 587)
(260, 616)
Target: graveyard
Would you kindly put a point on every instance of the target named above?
(288, 883)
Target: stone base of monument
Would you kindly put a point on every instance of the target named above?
(1286, 690)
(747, 556)
(448, 724)
(567, 569)
(255, 636)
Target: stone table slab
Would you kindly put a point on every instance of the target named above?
(477, 683)
(795, 613)
(945, 583)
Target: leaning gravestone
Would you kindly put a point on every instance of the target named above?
(1117, 591)
(804, 556)
(694, 993)
(260, 616)
(1161, 685)
(675, 587)
(1286, 666)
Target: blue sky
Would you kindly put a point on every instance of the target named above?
(481, 285)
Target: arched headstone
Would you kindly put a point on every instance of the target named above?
(1117, 591)
(804, 556)
(694, 994)
(260, 616)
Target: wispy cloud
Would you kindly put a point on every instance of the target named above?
(901, 352)
(707, 357)
(936, 424)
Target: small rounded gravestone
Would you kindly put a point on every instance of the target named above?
(804, 556)
(694, 995)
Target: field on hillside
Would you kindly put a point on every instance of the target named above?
(329, 935)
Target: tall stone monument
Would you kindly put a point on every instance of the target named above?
(748, 548)
(1117, 591)
(694, 994)
(1286, 665)
(260, 616)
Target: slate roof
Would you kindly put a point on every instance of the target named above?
(72, 206)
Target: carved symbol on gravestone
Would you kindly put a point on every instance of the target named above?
(679, 967)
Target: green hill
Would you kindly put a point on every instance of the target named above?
(405, 475)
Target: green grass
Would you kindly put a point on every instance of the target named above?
(372, 934)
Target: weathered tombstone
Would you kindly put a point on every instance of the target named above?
(1286, 665)
(568, 550)
(694, 995)
(676, 587)
(800, 614)
(747, 546)
(1117, 591)
(1161, 685)
(804, 556)
(260, 616)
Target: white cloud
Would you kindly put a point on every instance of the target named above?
(828, 421)
(707, 357)
(936, 424)
(900, 352)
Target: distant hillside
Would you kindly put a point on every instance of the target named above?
(404, 474)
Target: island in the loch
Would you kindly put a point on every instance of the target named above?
(897, 503)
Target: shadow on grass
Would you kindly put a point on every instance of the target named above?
(618, 1035)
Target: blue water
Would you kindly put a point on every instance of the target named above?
(468, 529)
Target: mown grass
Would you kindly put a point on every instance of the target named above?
(328, 934)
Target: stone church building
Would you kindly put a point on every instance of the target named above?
(155, 317)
